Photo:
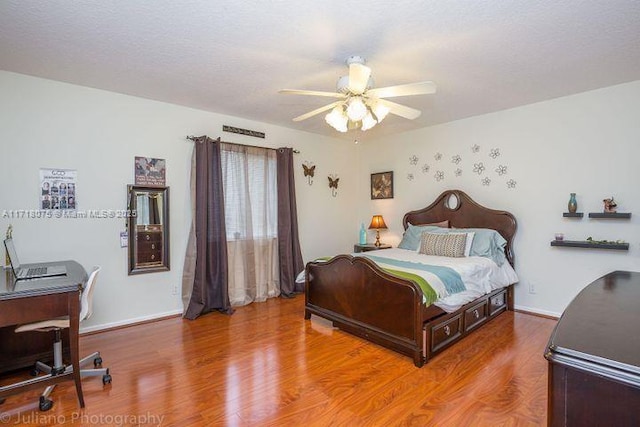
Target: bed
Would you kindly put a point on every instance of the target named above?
(364, 299)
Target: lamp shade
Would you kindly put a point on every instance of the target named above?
(377, 222)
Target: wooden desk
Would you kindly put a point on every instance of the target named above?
(26, 301)
(594, 356)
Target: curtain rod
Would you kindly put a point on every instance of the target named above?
(193, 138)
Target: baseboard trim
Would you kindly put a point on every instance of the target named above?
(537, 312)
(130, 322)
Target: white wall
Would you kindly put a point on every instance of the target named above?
(47, 124)
(587, 143)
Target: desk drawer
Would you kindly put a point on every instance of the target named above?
(446, 332)
(475, 316)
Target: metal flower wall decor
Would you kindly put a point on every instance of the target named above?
(482, 163)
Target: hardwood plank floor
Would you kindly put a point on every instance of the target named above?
(265, 365)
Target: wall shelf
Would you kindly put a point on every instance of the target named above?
(572, 214)
(588, 245)
(612, 215)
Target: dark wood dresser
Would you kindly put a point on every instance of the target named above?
(594, 356)
(149, 241)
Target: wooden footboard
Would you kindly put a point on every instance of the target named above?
(362, 299)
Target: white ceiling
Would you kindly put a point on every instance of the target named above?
(232, 57)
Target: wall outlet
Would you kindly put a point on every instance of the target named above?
(174, 291)
(532, 288)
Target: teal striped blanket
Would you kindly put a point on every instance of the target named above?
(435, 281)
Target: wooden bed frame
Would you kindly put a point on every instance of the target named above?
(362, 299)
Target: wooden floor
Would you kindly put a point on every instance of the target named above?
(266, 366)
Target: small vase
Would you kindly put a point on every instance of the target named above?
(573, 205)
(363, 235)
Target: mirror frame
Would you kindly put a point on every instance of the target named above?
(133, 268)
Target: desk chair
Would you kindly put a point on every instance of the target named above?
(56, 325)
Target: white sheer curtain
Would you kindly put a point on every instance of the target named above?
(251, 219)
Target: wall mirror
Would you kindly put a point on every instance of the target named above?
(148, 229)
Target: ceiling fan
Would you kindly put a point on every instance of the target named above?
(359, 104)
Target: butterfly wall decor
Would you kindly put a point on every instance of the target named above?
(309, 170)
(333, 184)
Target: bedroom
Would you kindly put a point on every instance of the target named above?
(580, 142)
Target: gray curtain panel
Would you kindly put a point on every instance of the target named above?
(291, 262)
(209, 291)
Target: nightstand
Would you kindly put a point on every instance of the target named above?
(369, 247)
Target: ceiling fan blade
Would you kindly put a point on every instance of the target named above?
(358, 78)
(312, 92)
(316, 111)
(401, 110)
(421, 88)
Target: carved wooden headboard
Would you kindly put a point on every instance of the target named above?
(466, 214)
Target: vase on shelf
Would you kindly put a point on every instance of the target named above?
(573, 205)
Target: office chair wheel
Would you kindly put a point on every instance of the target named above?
(45, 404)
(97, 362)
(106, 379)
(34, 372)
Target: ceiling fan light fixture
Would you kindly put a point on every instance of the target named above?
(337, 119)
(368, 121)
(356, 109)
(358, 104)
(380, 111)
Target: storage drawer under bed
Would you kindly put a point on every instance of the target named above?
(497, 303)
(475, 316)
(446, 330)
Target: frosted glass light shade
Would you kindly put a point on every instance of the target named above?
(337, 119)
(368, 121)
(380, 111)
(356, 110)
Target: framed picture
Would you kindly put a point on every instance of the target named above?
(150, 172)
(382, 185)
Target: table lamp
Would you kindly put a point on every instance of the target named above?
(377, 222)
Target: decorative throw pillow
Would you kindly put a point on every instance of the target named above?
(449, 245)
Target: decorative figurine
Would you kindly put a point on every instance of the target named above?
(610, 205)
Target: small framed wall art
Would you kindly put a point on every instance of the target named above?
(382, 185)
(150, 172)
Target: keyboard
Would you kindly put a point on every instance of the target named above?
(35, 271)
